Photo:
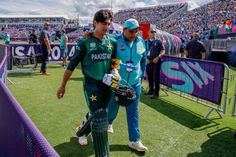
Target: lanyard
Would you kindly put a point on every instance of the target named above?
(151, 45)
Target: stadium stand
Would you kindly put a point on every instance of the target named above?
(176, 20)
(19, 27)
(148, 14)
(204, 18)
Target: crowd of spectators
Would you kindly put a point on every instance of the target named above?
(22, 31)
(20, 28)
(30, 20)
(202, 19)
(148, 14)
(169, 18)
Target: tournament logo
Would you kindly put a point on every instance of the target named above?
(92, 45)
(140, 48)
(122, 47)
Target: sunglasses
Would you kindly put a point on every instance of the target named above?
(133, 31)
(153, 31)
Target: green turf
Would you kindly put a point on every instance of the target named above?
(170, 126)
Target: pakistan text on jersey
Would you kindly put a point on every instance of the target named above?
(100, 56)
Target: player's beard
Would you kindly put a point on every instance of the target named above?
(104, 32)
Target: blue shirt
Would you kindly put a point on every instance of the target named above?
(62, 43)
(133, 59)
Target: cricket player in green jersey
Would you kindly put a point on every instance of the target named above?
(97, 56)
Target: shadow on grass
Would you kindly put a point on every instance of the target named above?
(25, 74)
(73, 149)
(179, 114)
(118, 147)
(52, 65)
(220, 144)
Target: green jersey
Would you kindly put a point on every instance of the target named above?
(95, 56)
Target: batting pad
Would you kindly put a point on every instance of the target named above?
(85, 127)
(99, 125)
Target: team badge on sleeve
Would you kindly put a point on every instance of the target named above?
(92, 45)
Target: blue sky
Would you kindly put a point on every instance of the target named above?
(72, 8)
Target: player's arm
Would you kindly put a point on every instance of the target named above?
(115, 63)
(113, 78)
(61, 90)
(76, 58)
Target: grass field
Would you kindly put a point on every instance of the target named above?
(170, 126)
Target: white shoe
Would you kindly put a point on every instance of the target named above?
(138, 146)
(110, 128)
(83, 141)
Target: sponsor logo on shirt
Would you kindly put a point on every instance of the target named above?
(92, 45)
(122, 47)
(100, 56)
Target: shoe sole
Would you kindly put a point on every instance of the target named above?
(82, 145)
(131, 146)
(110, 132)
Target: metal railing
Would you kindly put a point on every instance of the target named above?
(234, 103)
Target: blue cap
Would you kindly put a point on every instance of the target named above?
(131, 24)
